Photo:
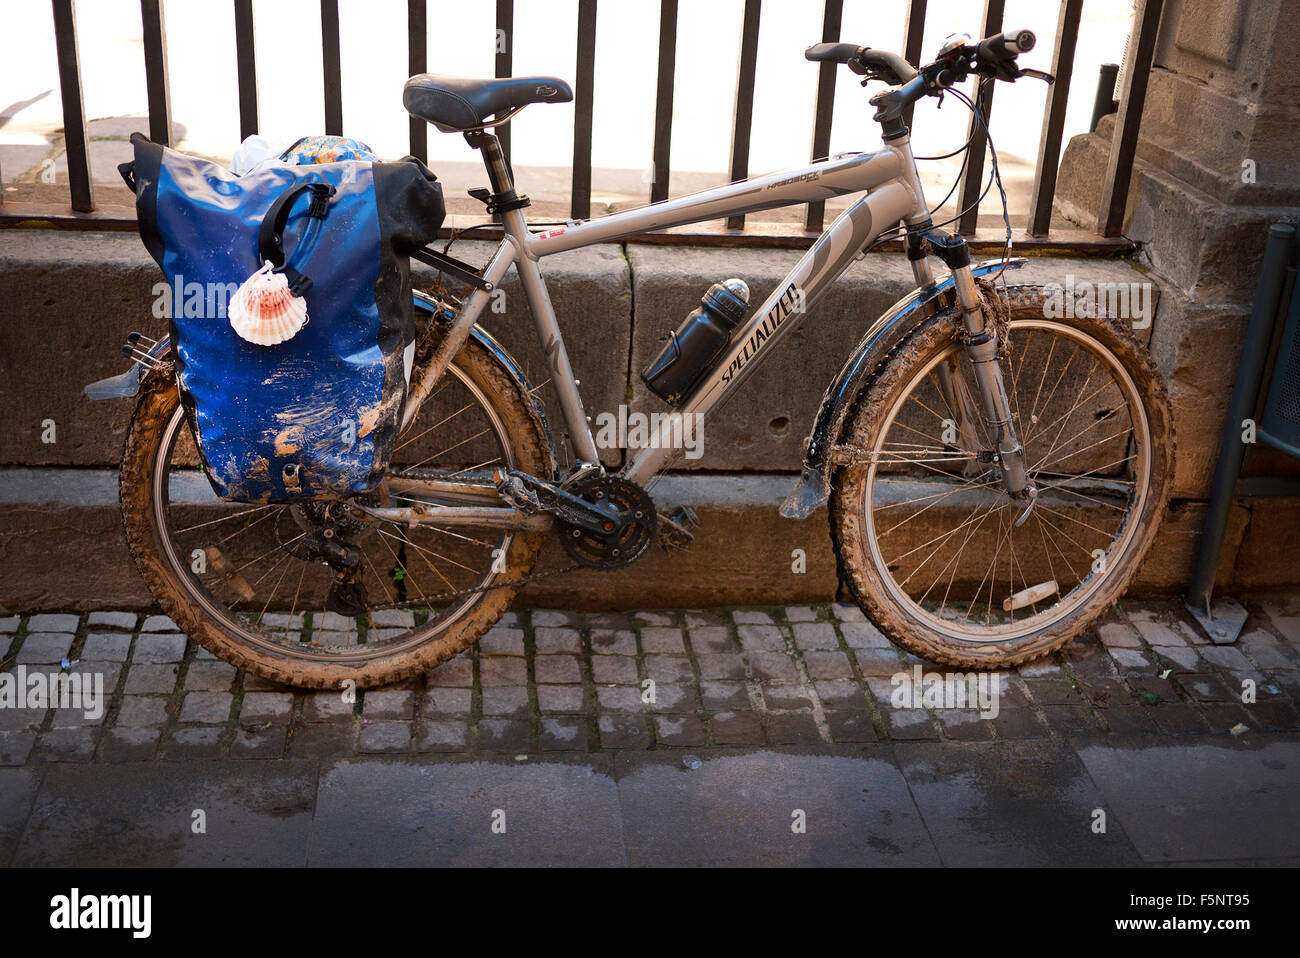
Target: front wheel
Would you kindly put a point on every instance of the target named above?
(933, 548)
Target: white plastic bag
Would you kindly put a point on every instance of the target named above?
(259, 153)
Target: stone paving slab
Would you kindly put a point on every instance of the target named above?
(1025, 804)
(740, 809)
(142, 815)
(17, 790)
(416, 813)
(1203, 801)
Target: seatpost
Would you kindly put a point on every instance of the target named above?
(494, 159)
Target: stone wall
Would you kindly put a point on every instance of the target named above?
(67, 301)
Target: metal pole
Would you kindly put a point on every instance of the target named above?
(1105, 103)
(1245, 392)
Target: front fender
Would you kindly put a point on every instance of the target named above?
(813, 487)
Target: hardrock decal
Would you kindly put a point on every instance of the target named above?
(801, 178)
(791, 302)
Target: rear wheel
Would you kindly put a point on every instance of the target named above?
(936, 552)
(236, 576)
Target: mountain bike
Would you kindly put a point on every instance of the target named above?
(994, 473)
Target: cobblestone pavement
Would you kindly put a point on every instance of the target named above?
(548, 681)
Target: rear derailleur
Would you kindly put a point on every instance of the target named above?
(325, 539)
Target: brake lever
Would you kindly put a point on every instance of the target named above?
(1038, 75)
(872, 77)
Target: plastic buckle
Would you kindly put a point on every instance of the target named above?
(299, 283)
(321, 193)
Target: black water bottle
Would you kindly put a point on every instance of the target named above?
(691, 350)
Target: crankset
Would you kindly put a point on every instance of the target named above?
(607, 522)
(624, 537)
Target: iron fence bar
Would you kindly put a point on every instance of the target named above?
(331, 60)
(659, 167)
(913, 37)
(584, 98)
(155, 71)
(417, 61)
(504, 44)
(743, 121)
(973, 181)
(246, 69)
(832, 15)
(74, 108)
(1123, 146)
(1049, 142)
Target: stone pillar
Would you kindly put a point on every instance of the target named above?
(1217, 161)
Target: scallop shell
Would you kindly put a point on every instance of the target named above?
(264, 312)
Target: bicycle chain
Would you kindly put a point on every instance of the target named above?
(473, 590)
(459, 593)
(424, 600)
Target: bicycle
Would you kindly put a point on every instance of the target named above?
(1042, 447)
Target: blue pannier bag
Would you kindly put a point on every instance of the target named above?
(314, 413)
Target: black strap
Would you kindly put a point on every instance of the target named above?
(299, 283)
(270, 237)
(452, 267)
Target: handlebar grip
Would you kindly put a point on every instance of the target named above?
(831, 52)
(1007, 44)
(862, 59)
(888, 63)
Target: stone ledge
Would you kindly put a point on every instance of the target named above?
(61, 547)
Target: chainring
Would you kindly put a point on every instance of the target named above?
(629, 538)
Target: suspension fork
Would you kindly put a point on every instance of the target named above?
(982, 348)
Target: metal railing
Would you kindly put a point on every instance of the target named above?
(1109, 223)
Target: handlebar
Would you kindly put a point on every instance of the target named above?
(993, 57)
(1007, 44)
(863, 60)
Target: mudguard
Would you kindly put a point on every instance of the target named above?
(813, 487)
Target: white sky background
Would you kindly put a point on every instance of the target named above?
(200, 36)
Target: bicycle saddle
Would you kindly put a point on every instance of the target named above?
(457, 104)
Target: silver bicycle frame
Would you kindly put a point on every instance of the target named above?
(893, 194)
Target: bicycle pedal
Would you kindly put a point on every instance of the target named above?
(675, 530)
(515, 493)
